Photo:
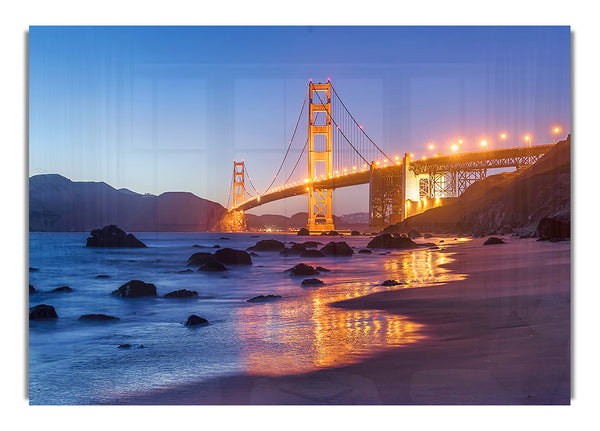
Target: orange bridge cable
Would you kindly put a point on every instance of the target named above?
(297, 161)
(290, 144)
(365, 133)
(250, 180)
(334, 122)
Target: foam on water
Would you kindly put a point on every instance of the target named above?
(75, 362)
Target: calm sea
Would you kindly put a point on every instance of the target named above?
(77, 362)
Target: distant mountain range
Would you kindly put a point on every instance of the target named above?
(57, 204)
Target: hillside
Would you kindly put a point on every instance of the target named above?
(512, 202)
(57, 204)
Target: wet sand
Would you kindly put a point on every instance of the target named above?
(500, 336)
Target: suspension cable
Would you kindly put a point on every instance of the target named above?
(289, 146)
(334, 122)
(365, 133)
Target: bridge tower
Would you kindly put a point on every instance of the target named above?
(320, 208)
(239, 188)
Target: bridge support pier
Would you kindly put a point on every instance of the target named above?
(389, 189)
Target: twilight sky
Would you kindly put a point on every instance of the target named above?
(156, 109)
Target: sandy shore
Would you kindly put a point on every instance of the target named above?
(500, 336)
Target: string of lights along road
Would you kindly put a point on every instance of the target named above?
(353, 150)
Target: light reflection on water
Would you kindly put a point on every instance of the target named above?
(304, 333)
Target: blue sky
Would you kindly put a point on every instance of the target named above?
(157, 109)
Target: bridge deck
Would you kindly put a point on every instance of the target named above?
(487, 159)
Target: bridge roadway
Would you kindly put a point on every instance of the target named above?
(475, 160)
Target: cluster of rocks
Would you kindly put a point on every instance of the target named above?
(112, 236)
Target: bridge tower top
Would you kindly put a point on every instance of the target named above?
(239, 187)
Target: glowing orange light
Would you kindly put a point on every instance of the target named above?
(484, 143)
(454, 147)
(431, 147)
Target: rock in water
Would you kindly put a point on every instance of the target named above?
(337, 249)
(312, 282)
(112, 236)
(194, 320)
(267, 245)
(551, 229)
(200, 258)
(183, 293)
(303, 232)
(63, 289)
(388, 241)
(232, 257)
(365, 251)
(493, 240)
(32, 289)
(303, 269)
(135, 289)
(390, 283)
(262, 298)
(312, 253)
(97, 317)
(42, 312)
(212, 266)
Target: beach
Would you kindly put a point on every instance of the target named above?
(500, 335)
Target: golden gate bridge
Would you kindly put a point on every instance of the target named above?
(337, 152)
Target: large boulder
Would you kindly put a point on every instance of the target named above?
(302, 269)
(112, 236)
(232, 257)
(212, 266)
(303, 232)
(194, 320)
(182, 293)
(267, 245)
(135, 289)
(312, 253)
(552, 229)
(337, 249)
(312, 282)
(386, 240)
(42, 312)
(200, 258)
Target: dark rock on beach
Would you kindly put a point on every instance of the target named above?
(337, 249)
(42, 312)
(232, 257)
(62, 289)
(493, 240)
(321, 269)
(390, 283)
(31, 269)
(262, 298)
(32, 289)
(386, 240)
(303, 269)
(194, 320)
(112, 236)
(97, 317)
(312, 282)
(413, 233)
(183, 293)
(267, 245)
(102, 276)
(365, 251)
(549, 229)
(303, 232)
(135, 289)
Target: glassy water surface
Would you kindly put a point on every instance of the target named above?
(76, 362)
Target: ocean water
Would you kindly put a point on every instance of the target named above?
(77, 362)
